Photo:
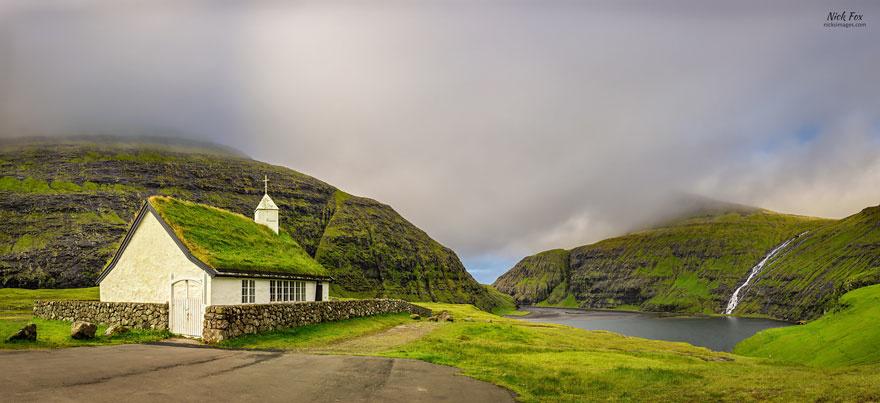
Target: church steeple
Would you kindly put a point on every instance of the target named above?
(267, 212)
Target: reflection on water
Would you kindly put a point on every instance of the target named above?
(716, 333)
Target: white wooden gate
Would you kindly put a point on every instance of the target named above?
(187, 308)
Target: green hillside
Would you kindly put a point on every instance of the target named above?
(849, 335)
(65, 205)
(534, 278)
(690, 265)
(813, 273)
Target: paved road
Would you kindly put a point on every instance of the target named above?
(134, 373)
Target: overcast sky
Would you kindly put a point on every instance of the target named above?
(502, 128)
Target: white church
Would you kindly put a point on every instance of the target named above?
(191, 255)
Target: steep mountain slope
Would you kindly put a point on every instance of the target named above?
(65, 204)
(811, 274)
(534, 278)
(692, 265)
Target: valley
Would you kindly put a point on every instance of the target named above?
(66, 205)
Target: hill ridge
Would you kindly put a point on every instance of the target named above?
(692, 265)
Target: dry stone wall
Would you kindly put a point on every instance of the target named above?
(129, 314)
(227, 321)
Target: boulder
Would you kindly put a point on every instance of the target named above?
(116, 329)
(83, 330)
(415, 316)
(444, 316)
(28, 333)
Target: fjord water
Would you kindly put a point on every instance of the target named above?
(716, 333)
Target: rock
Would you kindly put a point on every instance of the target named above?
(83, 330)
(444, 316)
(415, 316)
(28, 333)
(116, 329)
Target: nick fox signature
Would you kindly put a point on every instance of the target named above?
(844, 16)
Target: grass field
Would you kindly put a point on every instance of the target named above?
(18, 303)
(848, 336)
(502, 303)
(545, 362)
(15, 312)
(56, 334)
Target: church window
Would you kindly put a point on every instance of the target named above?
(286, 291)
(248, 291)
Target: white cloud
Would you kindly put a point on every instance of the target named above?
(501, 128)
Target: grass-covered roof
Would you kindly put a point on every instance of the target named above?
(231, 242)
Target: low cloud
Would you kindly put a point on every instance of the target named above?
(501, 128)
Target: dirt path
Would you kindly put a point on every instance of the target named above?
(382, 341)
(140, 373)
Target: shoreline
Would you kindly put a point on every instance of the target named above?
(533, 312)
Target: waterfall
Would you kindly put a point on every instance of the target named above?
(734, 299)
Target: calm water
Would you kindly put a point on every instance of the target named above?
(716, 333)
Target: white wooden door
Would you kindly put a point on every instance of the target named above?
(187, 309)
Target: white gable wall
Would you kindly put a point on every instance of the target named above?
(146, 267)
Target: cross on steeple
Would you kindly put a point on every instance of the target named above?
(265, 184)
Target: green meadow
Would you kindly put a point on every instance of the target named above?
(56, 334)
(16, 306)
(552, 363)
(18, 303)
(849, 335)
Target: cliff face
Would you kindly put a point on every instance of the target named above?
(534, 278)
(695, 264)
(691, 266)
(820, 266)
(65, 205)
(375, 252)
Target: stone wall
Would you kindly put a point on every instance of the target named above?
(130, 314)
(227, 321)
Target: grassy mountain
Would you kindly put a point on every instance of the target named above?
(534, 278)
(65, 205)
(690, 265)
(848, 335)
(811, 275)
